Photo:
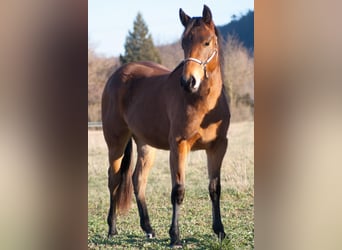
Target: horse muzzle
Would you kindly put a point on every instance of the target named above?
(189, 84)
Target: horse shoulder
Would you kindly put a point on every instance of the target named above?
(215, 123)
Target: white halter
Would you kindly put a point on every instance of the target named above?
(203, 64)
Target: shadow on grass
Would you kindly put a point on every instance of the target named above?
(130, 241)
(135, 241)
(205, 242)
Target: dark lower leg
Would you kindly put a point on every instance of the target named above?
(111, 220)
(215, 192)
(144, 218)
(115, 155)
(177, 197)
(143, 166)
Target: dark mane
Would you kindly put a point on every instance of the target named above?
(221, 56)
(195, 21)
(178, 66)
(222, 62)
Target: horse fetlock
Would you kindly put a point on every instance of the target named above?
(218, 229)
(176, 244)
(147, 229)
(111, 221)
(175, 240)
(112, 231)
(221, 236)
(150, 235)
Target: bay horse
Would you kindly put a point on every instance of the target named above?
(183, 110)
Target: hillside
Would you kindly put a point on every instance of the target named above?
(242, 29)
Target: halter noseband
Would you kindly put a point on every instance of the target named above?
(203, 64)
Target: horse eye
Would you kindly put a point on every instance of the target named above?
(207, 43)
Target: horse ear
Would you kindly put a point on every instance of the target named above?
(206, 14)
(183, 17)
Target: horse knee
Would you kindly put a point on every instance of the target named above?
(177, 194)
(215, 189)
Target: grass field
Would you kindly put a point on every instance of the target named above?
(237, 199)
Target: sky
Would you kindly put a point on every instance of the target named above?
(109, 21)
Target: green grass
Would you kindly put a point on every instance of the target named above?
(237, 199)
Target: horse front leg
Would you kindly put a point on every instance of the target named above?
(178, 154)
(215, 156)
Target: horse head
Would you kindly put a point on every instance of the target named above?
(200, 45)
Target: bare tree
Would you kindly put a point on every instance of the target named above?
(99, 69)
(239, 79)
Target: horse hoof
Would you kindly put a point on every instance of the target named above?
(150, 235)
(176, 244)
(111, 234)
(221, 236)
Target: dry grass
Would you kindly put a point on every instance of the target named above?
(237, 169)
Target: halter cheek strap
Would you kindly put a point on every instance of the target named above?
(203, 64)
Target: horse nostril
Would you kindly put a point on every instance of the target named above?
(183, 81)
(192, 81)
(188, 83)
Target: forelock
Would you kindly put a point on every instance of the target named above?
(195, 21)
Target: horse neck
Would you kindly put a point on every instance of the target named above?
(211, 89)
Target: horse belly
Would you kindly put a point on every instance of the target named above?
(158, 143)
(152, 138)
(147, 127)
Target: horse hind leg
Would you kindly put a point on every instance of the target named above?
(119, 182)
(144, 163)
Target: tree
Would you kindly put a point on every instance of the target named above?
(139, 44)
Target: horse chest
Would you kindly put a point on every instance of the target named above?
(205, 129)
(210, 133)
(199, 136)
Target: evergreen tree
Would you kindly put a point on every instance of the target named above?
(139, 44)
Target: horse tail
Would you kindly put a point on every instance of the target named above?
(125, 188)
